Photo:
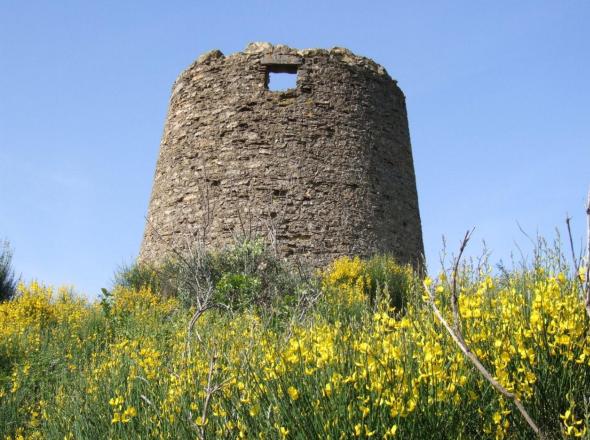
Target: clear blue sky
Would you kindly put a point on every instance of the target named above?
(498, 98)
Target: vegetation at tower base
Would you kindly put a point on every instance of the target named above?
(356, 364)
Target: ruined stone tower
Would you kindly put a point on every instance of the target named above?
(325, 168)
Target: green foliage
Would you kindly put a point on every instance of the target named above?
(137, 276)
(376, 278)
(7, 278)
(237, 289)
(396, 282)
(126, 367)
(247, 274)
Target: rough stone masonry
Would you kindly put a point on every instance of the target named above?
(322, 170)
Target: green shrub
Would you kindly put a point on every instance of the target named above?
(397, 282)
(237, 288)
(247, 274)
(136, 276)
(371, 280)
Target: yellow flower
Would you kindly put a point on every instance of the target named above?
(293, 393)
(365, 411)
(254, 410)
(369, 433)
(391, 431)
(116, 401)
(128, 414)
(497, 417)
(573, 427)
(358, 430)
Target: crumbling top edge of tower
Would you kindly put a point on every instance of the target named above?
(259, 49)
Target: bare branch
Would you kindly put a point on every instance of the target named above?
(456, 334)
(194, 320)
(208, 392)
(146, 400)
(525, 234)
(454, 294)
(569, 233)
(588, 256)
(479, 366)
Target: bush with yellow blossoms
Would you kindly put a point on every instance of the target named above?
(366, 360)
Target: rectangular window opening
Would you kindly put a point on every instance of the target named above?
(281, 79)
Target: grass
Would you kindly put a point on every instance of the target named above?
(352, 352)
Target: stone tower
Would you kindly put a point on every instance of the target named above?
(323, 169)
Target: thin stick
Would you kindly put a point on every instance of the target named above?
(189, 330)
(569, 233)
(209, 392)
(456, 334)
(588, 256)
(146, 400)
(478, 365)
(454, 294)
(194, 320)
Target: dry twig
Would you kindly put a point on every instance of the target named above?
(454, 295)
(456, 334)
(210, 389)
(588, 256)
(194, 320)
(569, 233)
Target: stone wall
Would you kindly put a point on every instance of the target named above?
(325, 169)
